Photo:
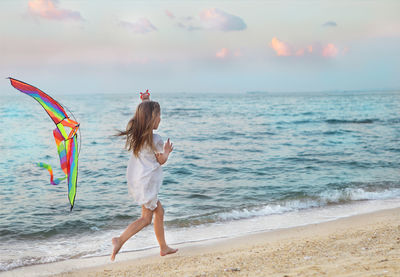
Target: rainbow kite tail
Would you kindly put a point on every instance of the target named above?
(52, 181)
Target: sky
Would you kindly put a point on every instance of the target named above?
(78, 46)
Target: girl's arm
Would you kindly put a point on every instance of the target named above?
(163, 157)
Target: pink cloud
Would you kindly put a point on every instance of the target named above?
(48, 9)
(238, 53)
(281, 48)
(330, 50)
(223, 53)
(141, 26)
(169, 14)
(300, 52)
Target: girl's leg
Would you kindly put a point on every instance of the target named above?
(132, 229)
(159, 230)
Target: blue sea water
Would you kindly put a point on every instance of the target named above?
(240, 163)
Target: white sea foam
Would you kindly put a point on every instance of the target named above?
(325, 198)
(354, 194)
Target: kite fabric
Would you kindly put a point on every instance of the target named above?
(67, 143)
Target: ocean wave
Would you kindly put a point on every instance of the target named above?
(336, 132)
(332, 197)
(186, 112)
(352, 121)
(181, 171)
(393, 149)
(46, 252)
(341, 163)
(332, 121)
(26, 261)
(227, 170)
(191, 157)
(394, 121)
(296, 122)
(223, 138)
(233, 134)
(199, 196)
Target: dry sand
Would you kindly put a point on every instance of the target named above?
(363, 245)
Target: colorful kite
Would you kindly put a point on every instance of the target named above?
(67, 143)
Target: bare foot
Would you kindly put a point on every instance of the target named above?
(117, 246)
(168, 251)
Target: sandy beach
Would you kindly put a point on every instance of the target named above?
(362, 245)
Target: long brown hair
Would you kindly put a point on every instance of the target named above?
(139, 131)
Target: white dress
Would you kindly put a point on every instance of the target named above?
(144, 175)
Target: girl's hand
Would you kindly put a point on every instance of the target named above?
(168, 147)
(163, 157)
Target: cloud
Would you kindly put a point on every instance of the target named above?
(141, 26)
(300, 52)
(329, 24)
(210, 19)
(48, 9)
(329, 50)
(187, 24)
(238, 53)
(169, 14)
(217, 19)
(223, 53)
(281, 48)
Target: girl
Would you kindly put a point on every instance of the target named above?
(144, 173)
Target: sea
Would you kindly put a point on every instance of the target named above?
(242, 163)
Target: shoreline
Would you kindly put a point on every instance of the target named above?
(368, 244)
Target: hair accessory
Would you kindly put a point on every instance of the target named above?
(147, 93)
